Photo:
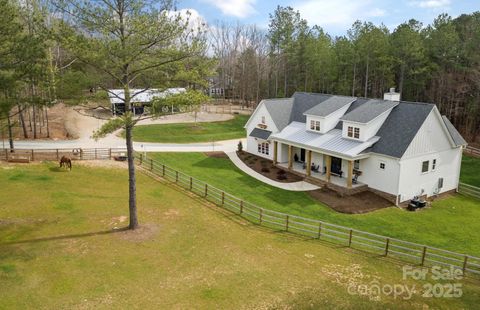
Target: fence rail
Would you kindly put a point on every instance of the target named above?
(56, 154)
(385, 246)
(469, 190)
(472, 151)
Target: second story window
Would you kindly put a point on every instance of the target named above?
(315, 125)
(350, 131)
(356, 133)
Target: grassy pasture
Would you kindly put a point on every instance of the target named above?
(470, 172)
(191, 133)
(451, 223)
(58, 249)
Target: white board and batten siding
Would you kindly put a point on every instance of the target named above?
(431, 143)
(383, 179)
(256, 118)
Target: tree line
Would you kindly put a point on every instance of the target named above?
(437, 63)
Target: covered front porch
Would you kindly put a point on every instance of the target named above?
(340, 171)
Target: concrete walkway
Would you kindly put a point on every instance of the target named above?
(295, 186)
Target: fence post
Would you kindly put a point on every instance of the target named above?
(387, 244)
(163, 170)
(151, 164)
(110, 153)
(223, 198)
(141, 157)
(350, 238)
(6, 155)
(95, 153)
(286, 223)
(176, 176)
(81, 154)
(206, 190)
(424, 253)
(464, 268)
(33, 155)
(241, 207)
(261, 215)
(191, 183)
(57, 155)
(319, 229)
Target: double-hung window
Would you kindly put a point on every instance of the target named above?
(314, 125)
(425, 165)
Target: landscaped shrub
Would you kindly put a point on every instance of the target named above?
(265, 169)
(251, 162)
(240, 146)
(282, 177)
(281, 172)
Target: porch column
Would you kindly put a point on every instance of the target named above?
(290, 157)
(309, 163)
(350, 174)
(275, 146)
(329, 166)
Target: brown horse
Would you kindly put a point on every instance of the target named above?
(66, 162)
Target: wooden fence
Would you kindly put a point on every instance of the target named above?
(409, 252)
(469, 190)
(20, 155)
(472, 151)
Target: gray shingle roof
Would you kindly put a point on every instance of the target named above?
(330, 105)
(280, 111)
(304, 102)
(260, 133)
(456, 136)
(401, 126)
(369, 111)
(396, 133)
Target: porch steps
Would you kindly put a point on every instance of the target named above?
(343, 191)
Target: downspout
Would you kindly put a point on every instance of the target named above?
(397, 200)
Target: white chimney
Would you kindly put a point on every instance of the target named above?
(391, 95)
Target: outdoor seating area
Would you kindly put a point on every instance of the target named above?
(321, 174)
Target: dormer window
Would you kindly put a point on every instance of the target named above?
(314, 125)
(353, 132)
(263, 119)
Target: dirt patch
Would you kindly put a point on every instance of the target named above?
(216, 154)
(101, 163)
(355, 204)
(266, 168)
(143, 233)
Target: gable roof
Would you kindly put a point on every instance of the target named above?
(303, 102)
(369, 111)
(330, 105)
(401, 126)
(456, 136)
(280, 110)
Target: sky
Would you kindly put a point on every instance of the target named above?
(334, 16)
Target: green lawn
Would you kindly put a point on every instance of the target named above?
(58, 251)
(189, 132)
(451, 223)
(470, 173)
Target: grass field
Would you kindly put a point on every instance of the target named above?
(189, 132)
(451, 223)
(58, 251)
(470, 173)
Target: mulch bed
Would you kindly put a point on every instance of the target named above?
(266, 168)
(355, 204)
(216, 154)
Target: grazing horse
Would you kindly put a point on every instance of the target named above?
(66, 162)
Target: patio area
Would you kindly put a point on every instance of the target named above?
(320, 175)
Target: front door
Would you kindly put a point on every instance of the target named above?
(336, 167)
(302, 155)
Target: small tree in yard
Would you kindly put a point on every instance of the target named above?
(132, 41)
(240, 146)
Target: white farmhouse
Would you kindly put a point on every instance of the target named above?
(395, 148)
